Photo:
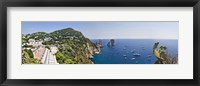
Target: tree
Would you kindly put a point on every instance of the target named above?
(47, 46)
(60, 57)
(165, 48)
(30, 53)
(28, 58)
(162, 55)
(28, 46)
(69, 61)
(155, 45)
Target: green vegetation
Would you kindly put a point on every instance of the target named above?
(37, 35)
(28, 46)
(28, 57)
(47, 46)
(73, 47)
(163, 56)
(73, 52)
(24, 40)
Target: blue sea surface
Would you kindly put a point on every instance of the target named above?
(122, 52)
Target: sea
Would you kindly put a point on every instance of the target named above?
(132, 51)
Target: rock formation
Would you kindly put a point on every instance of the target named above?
(111, 43)
(99, 44)
(162, 56)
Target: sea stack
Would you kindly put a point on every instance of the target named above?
(99, 44)
(111, 43)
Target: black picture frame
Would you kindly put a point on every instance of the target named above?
(98, 3)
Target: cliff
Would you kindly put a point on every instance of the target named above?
(75, 46)
(162, 55)
(99, 43)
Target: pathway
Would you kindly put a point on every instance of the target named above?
(49, 57)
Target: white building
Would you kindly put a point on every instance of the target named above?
(34, 42)
(47, 39)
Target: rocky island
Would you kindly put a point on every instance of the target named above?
(99, 45)
(111, 43)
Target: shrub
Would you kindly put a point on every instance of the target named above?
(28, 57)
(69, 61)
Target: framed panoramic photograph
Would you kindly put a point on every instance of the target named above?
(85, 42)
(99, 42)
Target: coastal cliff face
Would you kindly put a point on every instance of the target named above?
(75, 47)
(162, 55)
(99, 43)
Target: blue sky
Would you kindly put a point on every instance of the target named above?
(108, 30)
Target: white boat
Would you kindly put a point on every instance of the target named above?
(136, 54)
(125, 55)
(97, 52)
(133, 59)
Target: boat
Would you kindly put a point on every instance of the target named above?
(132, 51)
(133, 59)
(136, 54)
(97, 52)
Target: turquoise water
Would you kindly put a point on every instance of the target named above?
(122, 52)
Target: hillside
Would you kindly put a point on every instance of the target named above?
(73, 46)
